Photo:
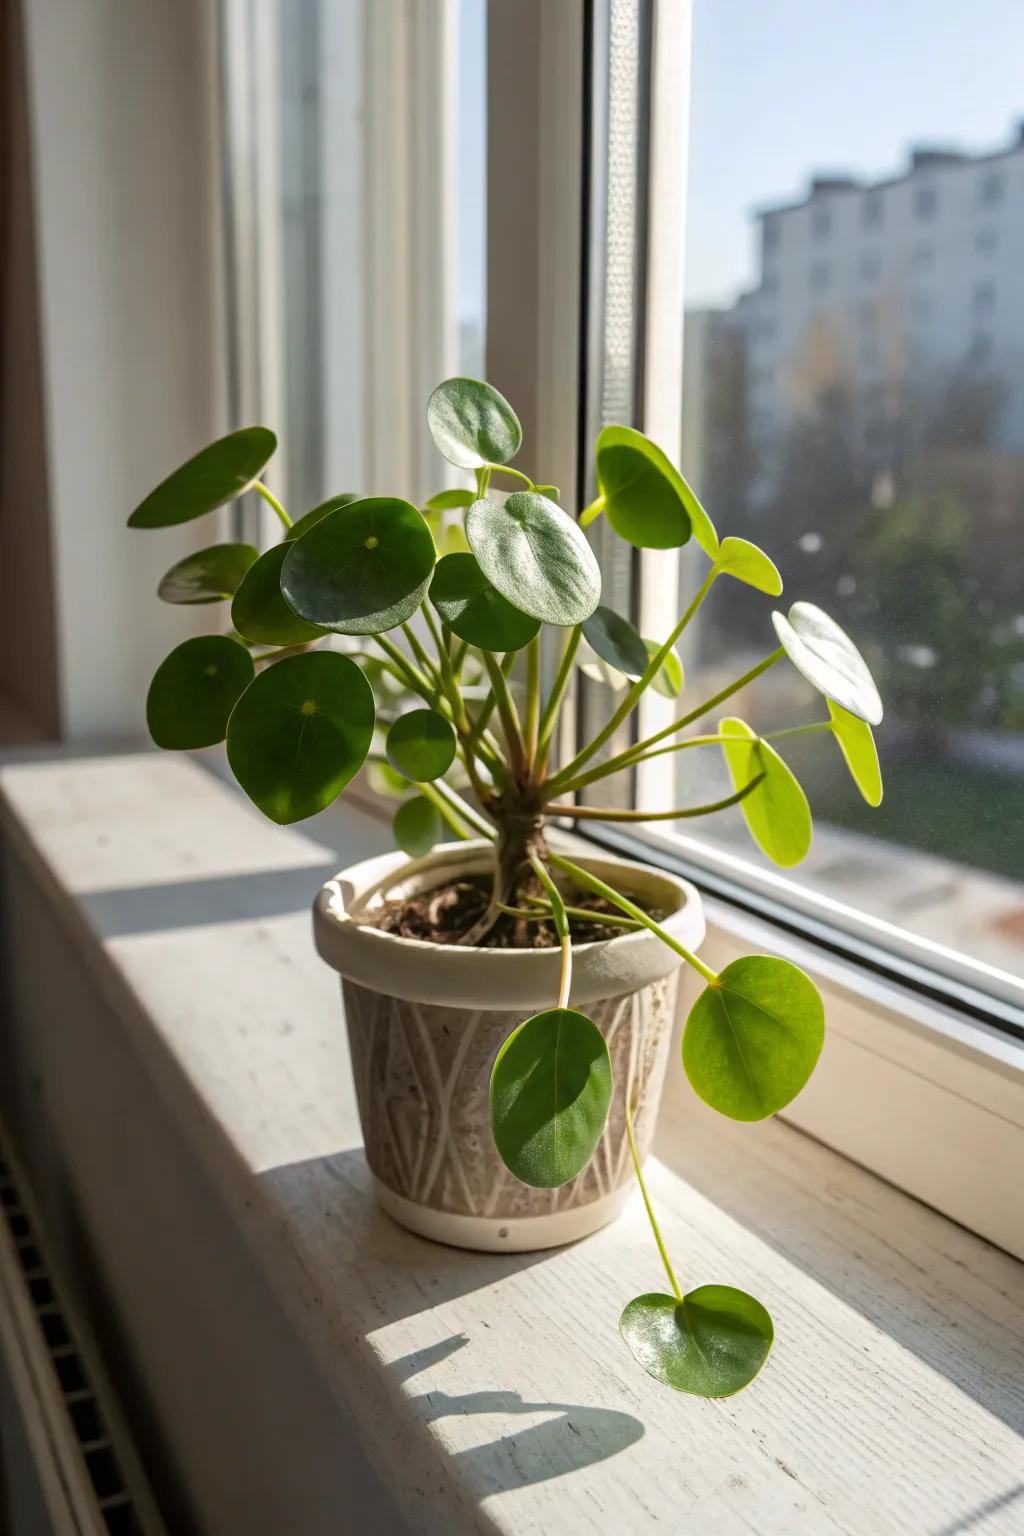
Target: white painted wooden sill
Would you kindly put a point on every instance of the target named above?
(492, 1393)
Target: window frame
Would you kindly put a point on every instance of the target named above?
(937, 1040)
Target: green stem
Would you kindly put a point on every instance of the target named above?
(425, 663)
(605, 769)
(800, 730)
(483, 479)
(444, 811)
(506, 469)
(268, 496)
(683, 813)
(532, 698)
(592, 883)
(633, 754)
(635, 693)
(411, 675)
(460, 808)
(558, 687)
(506, 711)
(635, 1155)
(596, 507)
(587, 914)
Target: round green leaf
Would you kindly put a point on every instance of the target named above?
(310, 519)
(829, 660)
(740, 558)
(474, 610)
(209, 576)
(472, 424)
(215, 475)
(857, 745)
(383, 780)
(616, 641)
(362, 569)
(753, 1039)
(712, 1343)
(416, 826)
(300, 732)
(647, 501)
(777, 811)
(668, 680)
(421, 745)
(449, 501)
(194, 690)
(259, 611)
(551, 1086)
(536, 556)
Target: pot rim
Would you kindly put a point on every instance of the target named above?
(419, 970)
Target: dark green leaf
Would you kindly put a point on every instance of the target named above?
(668, 680)
(616, 641)
(209, 576)
(449, 501)
(194, 690)
(259, 611)
(474, 610)
(472, 424)
(857, 745)
(363, 569)
(777, 811)
(752, 1041)
(536, 556)
(712, 1343)
(215, 475)
(310, 519)
(416, 827)
(551, 1086)
(648, 502)
(421, 745)
(300, 732)
(740, 558)
(829, 660)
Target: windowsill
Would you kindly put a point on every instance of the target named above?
(493, 1393)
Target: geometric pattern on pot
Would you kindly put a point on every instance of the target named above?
(422, 1076)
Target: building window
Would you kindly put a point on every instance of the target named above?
(984, 298)
(821, 223)
(926, 202)
(992, 189)
(872, 211)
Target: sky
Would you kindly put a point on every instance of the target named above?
(784, 88)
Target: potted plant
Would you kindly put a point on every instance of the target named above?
(509, 1006)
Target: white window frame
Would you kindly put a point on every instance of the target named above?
(912, 1084)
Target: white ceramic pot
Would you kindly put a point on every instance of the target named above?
(425, 1022)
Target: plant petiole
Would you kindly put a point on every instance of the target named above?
(271, 499)
(635, 1155)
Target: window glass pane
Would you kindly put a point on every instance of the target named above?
(855, 404)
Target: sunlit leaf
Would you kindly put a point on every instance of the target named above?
(218, 473)
(361, 570)
(551, 1086)
(829, 660)
(475, 610)
(668, 680)
(777, 811)
(300, 732)
(753, 1038)
(647, 501)
(449, 501)
(747, 563)
(209, 576)
(472, 424)
(194, 690)
(712, 1343)
(536, 556)
(857, 745)
(421, 745)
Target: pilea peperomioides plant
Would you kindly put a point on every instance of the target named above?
(444, 606)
